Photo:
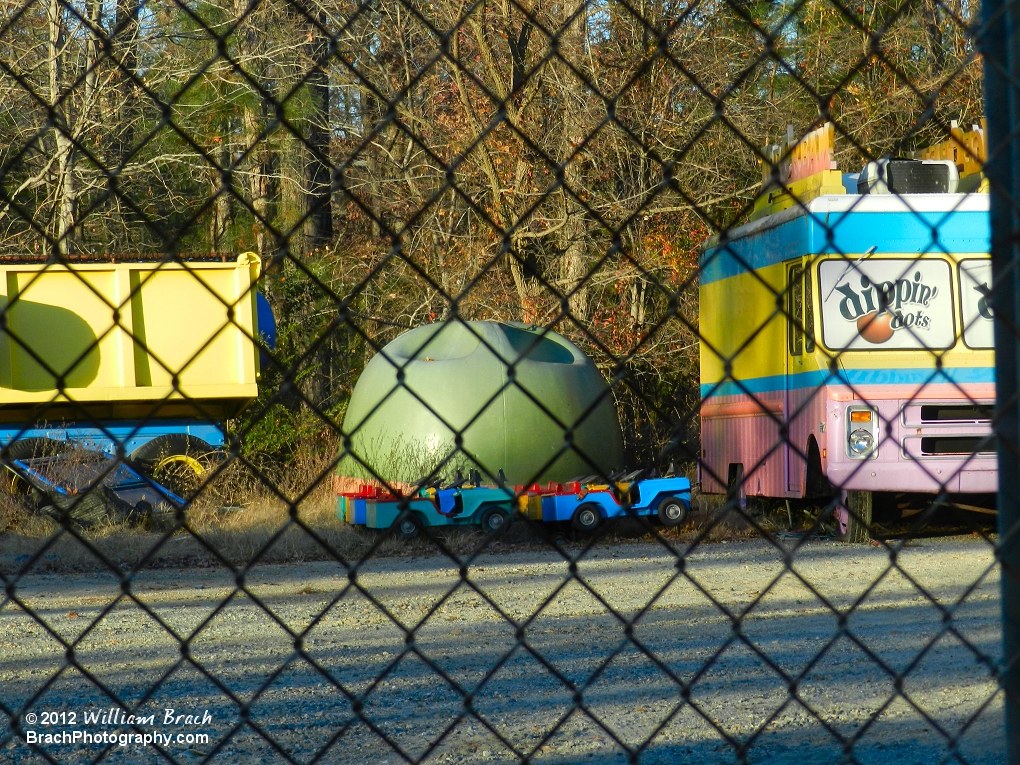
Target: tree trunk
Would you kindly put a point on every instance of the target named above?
(638, 288)
(319, 224)
(66, 196)
(222, 209)
(258, 165)
(125, 40)
(290, 184)
(372, 114)
(574, 236)
(933, 29)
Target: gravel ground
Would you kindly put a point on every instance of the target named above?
(631, 691)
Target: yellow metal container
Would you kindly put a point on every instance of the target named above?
(127, 339)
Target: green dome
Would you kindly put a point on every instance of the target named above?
(457, 370)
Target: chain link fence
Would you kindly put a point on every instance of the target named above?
(508, 381)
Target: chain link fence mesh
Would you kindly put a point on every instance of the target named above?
(285, 281)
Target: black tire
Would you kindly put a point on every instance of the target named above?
(141, 513)
(31, 493)
(672, 511)
(177, 461)
(493, 520)
(407, 527)
(34, 448)
(171, 443)
(586, 518)
(859, 509)
(96, 507)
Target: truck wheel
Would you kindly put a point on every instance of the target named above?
(672, 512)
(34, 448)
(408, 527)
(854, 517)
(586, 517)
(493, 520)
(177, 461)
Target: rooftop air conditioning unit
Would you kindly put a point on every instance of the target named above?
(909, 176)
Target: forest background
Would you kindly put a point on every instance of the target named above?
(557, 162)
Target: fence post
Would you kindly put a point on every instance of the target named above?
(1001, 50)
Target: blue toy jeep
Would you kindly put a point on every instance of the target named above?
(586, 504)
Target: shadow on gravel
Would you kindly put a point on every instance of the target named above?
(354, 680)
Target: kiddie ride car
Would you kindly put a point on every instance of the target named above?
(584, 503)
(465, 502)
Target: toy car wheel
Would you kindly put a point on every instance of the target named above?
(493, 520)
(586, 517)
(672, 511)
(407, 527)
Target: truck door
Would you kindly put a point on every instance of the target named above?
(799, 386)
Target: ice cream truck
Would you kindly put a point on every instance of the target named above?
(860, 362)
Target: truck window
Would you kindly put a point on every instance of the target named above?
(808, 319)
(795, 310)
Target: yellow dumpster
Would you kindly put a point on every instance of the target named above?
(128, 339)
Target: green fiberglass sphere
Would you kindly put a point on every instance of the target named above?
(436, 381)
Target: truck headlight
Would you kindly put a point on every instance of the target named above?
(861, 432)
(861, 442)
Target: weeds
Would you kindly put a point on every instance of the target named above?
(242, 521)
(236, 514)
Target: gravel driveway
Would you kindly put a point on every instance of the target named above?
(739, 686)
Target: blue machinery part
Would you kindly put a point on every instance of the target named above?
(105, 442)
(107, 435)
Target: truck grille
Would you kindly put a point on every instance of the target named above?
(957, 445)
(956, 412)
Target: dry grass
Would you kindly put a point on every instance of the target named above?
(236, 515)
(263, 531)
(268, 513)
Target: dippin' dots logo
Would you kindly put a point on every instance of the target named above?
(881, 309)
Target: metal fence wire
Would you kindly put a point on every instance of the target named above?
(506, 381)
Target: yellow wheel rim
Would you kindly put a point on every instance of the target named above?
(175, 460)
